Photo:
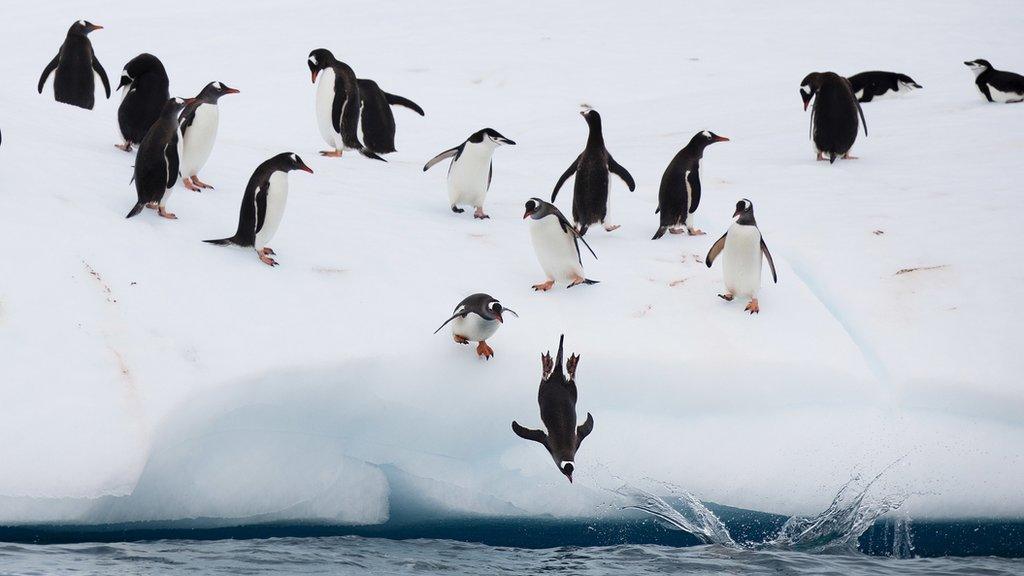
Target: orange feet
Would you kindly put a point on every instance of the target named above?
(165, 214)
(612, 227)
(152, 205)
(460, 339)
(479, 214)
(577, 281)
(695, 232)
(266, 259)
(200, 183)
(331, 153)
(544, 286)
(267, 251)
(484, 351)
(187, 182)
(127, 146)
(727, 296)
(676, 230)
(821, 156)
(752, 306)
(848, 157)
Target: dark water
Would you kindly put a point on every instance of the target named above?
(357, 555)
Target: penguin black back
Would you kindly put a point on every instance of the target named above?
(75, 64)
(679, 194)
(834, 116)
(377, 119)
(155, 169)
(145, 82)
(869, 85)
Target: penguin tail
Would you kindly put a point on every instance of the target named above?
(558, 357)
(660, 232)
(135, 209)
(831, 157)
(585, 281)
(370, 154)
(221, 242)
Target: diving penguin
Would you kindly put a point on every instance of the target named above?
(376, 121)
(557, 244)
(590, 194)
(337, 104)
(263, 205)
(199, 121)
(679, 194)
(868, 86)
(73, 68)
(144, 86)
(742, 248)
(997, 85)
(476, 319)
(156, 166)
(834, 116)
(557, 400)
(471, 170)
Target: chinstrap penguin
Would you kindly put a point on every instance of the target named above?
(144, 85)
(263, 205)
(679, 194)
(557, 400)
(73, 68)
(199, 121)
(337, 104)
(471, 170)
(476, 319)
(591, 190)
(156, 164)
(557, 245)
(868, 86)
(742, 248)
(377, 121)
(997, 85)
(834, 116)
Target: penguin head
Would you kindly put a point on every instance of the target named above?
(83, 27)
(214, 90)
(744, 210)
(493, 310)
(907, 83)
(592, 117)
(978, 66)
(706, 137)
(318, 60)
(174, 105)
(567, 468)
(490, 136)
(809, 87)
(536, 209)
(288, 161)
(136, 67)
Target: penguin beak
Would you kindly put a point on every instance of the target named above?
(231, 91)
(305, 168)
(720, 139)
(497, 316)
(736, 214)
(507, 141)
(806, 98)
(527, 214)
(95, 27)
(315, 74)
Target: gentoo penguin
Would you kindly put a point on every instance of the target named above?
(145, 90)
(199, 122)
(156, 167)
(834, 116)
(469, 174)
(590, 195)
(743, 247)
(75, 63)
(376, 121)
(679, 195)
(557, 244)
(868, 86)
(557, 400)
(476, 319)
(263, 205)
(337, 104)
(996, 85)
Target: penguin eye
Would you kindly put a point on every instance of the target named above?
(495, 306)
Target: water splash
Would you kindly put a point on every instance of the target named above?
(689, 514)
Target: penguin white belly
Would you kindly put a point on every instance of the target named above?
(277, 197)
(467, 179)
(1002, 97)
(741, 259)
(474, 327)
(199, 139)
(324, 105)
(555, 249)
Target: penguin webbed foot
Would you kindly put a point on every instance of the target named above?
(331, 153)
(197, 182)
(165, 214)
(847, 156)
(484, 351)
(695, 232)
(266, 259)
(126, 147)
(676, 230)
(727, 297)
(479, 214)
(753, 307)
(267, 250)
(187, 182)
(460, 339)
(544, 286)
(546, 365)
(821, 157)
(570, 366)
(611, 227)
(457, 210)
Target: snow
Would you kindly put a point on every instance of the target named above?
(195, 381)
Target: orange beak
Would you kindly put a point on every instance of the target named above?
(315, 74)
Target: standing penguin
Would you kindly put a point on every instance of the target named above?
(377, 122)
(263, 205)
(145, 90)
(997, 85)
(156, 166)
(834, 117)
(337, 104)
(868, 86)
(75, 63)
(557, 399)
(743, 248)
(476, 319)
(469, 174)
(590, 195)
(199, 121)
(557, 244)
(679, 195)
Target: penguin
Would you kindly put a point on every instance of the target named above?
(144, 86)
(198, 123)
(834, 116)
(73, 68)
(997, 85)
(263, 205)
(156, 168)
(557, 244)
(476, 319)
(743, 248)
(557, 399)
(376, 121)
(471, 170)
(337, 104)
(590, 194)
(868, 86)
(679, 194)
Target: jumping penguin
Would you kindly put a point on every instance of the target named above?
(199, 121)
(679, 195)
(997, 85)
(743, 248)
(868, 86)
(156, 166)
(145, 86)
(590, 194)
(73, 68)
(337, 104)
(557, 400)
(557, 244)
(376, 121)
(471, 170)
(476, 319)
(834, 117)
(263, 205)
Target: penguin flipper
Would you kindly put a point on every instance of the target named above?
(461, 314)
(862, 120)
(173, 161)
(395, 100)
(449, 153)
(617, 169)
(716, 249)
(47, 71)
(584, 430)
(693, 178)
(98, 68)
(529, 433)
(771, 263)
(565, 176)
